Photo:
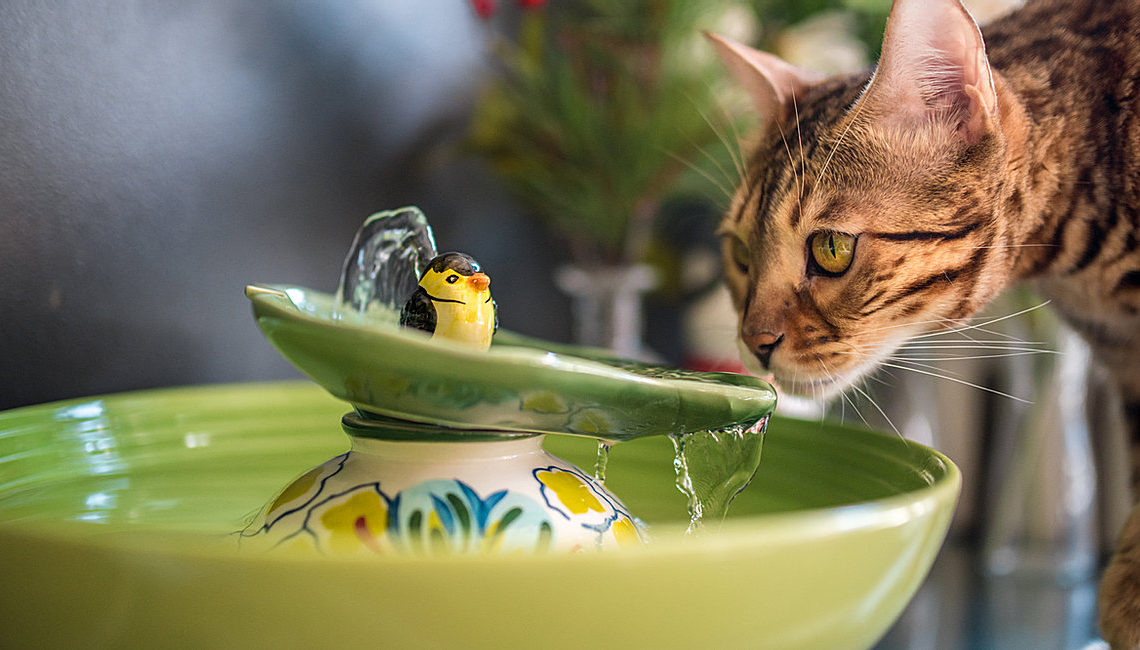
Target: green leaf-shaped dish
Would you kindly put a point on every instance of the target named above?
(519, 385)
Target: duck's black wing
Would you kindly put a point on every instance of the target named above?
(419, 312)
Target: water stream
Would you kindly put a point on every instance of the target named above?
(602, 461)
(388, 256)
(712, 467)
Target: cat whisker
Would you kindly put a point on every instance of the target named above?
(734, 152)
(932, 371)
(980, 325)
(704, 173)
(998, 352)
(730, 182)
(791, 162)
(737, 163)
(800, 138)
(932, 321)
(974, 345)
(1004, 335)
(854, 116)
(842, 396)
(855, 408)
(880, 410)
(951, 323)
(929, 366)
(969, 248)
(937, 375)
(876, 378)
(979, 356)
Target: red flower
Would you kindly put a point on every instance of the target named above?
(531, 4)
(484, 8)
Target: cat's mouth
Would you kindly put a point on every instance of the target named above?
(816, 389)
(801, 382)
(793, 383)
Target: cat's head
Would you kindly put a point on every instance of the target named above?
(868, 211)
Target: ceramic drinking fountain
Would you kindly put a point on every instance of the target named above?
(446, 430)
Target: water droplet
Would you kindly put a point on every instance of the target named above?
(602, 461)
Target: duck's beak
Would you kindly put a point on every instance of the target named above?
(479, 281)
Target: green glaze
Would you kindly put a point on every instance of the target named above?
(405, 374)
(382, 428)
(116, 514)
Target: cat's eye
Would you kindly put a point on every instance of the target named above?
(831, 252)
(740, 255)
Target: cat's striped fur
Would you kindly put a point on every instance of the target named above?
(959, 175)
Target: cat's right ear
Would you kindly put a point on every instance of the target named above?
(934, 67)
(771, 82)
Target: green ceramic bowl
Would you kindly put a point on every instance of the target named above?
(519, 385)
(115, 514)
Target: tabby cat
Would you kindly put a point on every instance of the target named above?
(883, 205)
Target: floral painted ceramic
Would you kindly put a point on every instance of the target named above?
(114, 514)
(442, 496)
(446, 453)
(518, 385)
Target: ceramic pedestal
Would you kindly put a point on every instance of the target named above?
(407, 488)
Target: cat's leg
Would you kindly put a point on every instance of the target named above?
(1119, 598)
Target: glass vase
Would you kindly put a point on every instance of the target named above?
(607, 305)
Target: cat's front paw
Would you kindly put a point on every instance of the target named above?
(1119, 603)
(1119, 599)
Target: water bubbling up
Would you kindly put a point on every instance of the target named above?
(388, 255)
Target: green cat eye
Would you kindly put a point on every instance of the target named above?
(832, 252)
(739, 253)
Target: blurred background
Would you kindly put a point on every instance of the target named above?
(157, 157)
(154, 160)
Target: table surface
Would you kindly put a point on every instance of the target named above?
(960, 606)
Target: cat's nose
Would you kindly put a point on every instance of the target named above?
(763, 344)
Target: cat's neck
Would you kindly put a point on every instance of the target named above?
(1063, 79)
(1035, 167)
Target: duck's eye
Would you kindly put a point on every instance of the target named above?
(452, 279)
(739, 253)
(831, 252)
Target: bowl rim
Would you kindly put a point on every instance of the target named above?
(668, 539)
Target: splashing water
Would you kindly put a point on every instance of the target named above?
(384, 264)
(602, 461)
(389, 254)
(712, 467)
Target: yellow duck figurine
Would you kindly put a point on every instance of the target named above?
(453, 301)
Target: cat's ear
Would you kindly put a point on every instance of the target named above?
(771, 81)
(934, 66)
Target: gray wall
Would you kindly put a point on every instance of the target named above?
(156, 157)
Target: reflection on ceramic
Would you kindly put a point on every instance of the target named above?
(406, 495)
(435, 466)
(388, 255)
(516, 386)
(118, 512)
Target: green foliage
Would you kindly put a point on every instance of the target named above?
(605, 108)
(870, 17)
(598, 105)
